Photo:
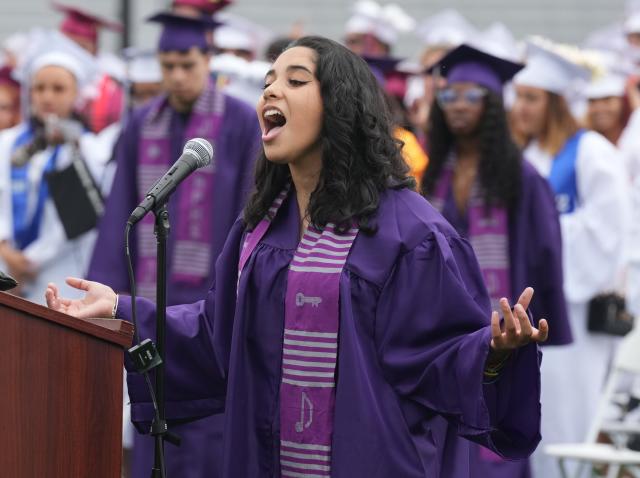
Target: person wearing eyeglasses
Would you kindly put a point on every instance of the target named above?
(479, 182)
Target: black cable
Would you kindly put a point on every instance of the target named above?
(136, 336)
(132, 284)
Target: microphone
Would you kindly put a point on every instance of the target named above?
(197, 153)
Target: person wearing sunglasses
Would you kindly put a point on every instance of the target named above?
(479, 182)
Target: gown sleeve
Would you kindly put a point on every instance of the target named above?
(108, 263)
(629, 144)
(433, 337)
(633, 253)
(50, 245)
(197, 346)
(6, 219)
(594, 234)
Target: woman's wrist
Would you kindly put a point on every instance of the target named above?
(496, 360)
(115, 307)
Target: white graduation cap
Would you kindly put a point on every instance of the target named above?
(142, 66)
(384, 22)
(605, 87)
(632, 23)
(446, 28)
(610, 37)
(230, 38)
(21, 46)
(16, 43)
(240, 78)
(239, 33)
(548, 70)
(610, 77)
(112, 65)
(498, 41)
(52, 48)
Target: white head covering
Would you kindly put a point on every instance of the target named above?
(142, 66)
(383, 22)
(239, 33)
(632, 24)
(550, 71)
(230, 38)
(16, 43)
(610, 37)
(242, 79)
(446, 28)
(51, 48)
(498, 41)
(605, 87)
(610, 76)
(61, 59)
(112, 65)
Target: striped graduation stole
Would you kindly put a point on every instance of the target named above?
(190, 259)
(310, 345)
(488, 235)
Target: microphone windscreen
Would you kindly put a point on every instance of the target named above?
(201, 149)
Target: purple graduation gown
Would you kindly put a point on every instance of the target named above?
(535, 253)
(236, 150)
(414, 336)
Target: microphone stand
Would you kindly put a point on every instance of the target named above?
(159, 427)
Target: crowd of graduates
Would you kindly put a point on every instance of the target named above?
(530, 149)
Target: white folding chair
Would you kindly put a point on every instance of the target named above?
(617, 455)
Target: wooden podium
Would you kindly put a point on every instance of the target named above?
(60, 393)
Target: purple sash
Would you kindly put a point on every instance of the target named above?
(310, 346)
(488, 235)
(489, 238)
(191, 255)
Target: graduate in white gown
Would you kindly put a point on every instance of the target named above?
(633, 264)
(614, 112)
(33, 241)
(588, 177)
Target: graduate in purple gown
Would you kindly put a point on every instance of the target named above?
(348, 332)
(478, 180)
(202, 211)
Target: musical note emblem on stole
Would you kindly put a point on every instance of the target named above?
(301, 424)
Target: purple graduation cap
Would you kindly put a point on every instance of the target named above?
(466, 63)
(391, 72)
(382, 66)
(181, 32)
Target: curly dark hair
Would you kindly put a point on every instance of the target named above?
(360, 157)
(500, 164)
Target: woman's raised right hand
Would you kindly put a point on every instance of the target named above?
(98, 302)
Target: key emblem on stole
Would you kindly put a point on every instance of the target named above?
(301, 300)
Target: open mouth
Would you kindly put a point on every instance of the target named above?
(274, 120)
